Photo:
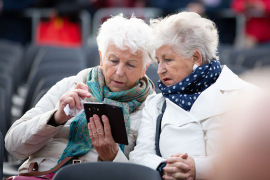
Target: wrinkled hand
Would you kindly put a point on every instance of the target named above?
(71, 98)
(102, 138)
(179, 166)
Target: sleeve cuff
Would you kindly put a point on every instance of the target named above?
(203, 168)
(160, 168)
(120, 157)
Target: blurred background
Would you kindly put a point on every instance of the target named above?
(43, 41)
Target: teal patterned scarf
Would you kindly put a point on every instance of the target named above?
(79, 141)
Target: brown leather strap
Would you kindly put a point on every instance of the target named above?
(58, 166)
(33, 167)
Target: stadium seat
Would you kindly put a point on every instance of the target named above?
(92, 55)
(151, 72)
(47, 83)
(43, 72)
(263, 62)
(3, 110)
(107, 171)
(39, 96)
(7, 84)
(1, 155)
(59, 55)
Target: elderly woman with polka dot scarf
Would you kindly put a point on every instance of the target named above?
(179, 130)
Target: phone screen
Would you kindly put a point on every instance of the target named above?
(115, 116)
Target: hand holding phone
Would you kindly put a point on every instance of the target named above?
(114, 115)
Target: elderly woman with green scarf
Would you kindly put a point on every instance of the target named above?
(46, 135)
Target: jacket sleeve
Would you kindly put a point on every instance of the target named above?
(145, 150)
(204, 166)
(31, 132)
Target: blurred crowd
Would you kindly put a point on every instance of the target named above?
(14, 26)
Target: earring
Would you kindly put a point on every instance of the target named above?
(194, 67)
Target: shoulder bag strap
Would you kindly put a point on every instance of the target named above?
(58, 166)
(158, 128)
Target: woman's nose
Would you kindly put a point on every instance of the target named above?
(161, 68)
(120, 70)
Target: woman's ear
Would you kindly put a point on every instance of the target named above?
(197, 58)
(100, 55)
(144, 71)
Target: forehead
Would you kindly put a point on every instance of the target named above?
(123, 54)
(165, 49)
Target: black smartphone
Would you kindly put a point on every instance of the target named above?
(115, 116)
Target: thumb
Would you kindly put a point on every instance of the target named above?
(184, 156)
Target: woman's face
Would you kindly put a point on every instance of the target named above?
(121, 69)
(172, 68)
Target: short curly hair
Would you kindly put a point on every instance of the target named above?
(126, 33)
(186, 32)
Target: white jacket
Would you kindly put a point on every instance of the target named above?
(195, 132)
(32, 137)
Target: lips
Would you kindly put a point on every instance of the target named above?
(166, 79)
(118, 82)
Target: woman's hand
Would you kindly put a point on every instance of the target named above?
(179, 166)
(71, 98)
(102, 138)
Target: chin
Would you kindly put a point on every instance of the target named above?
(116, 89)
(167, 84)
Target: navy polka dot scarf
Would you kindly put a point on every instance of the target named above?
(185, 93)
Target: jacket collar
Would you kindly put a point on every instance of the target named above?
(212, 101)
(82, 76)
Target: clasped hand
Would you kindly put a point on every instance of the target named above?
(179, 166)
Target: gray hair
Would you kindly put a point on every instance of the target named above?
(126, 33)
(186, 32)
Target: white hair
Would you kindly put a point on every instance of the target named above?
(133, 34)
(186, 32)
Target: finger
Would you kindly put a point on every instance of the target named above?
(107, 127)
(177, 155)
(167, 177)
(90, 130)
(180, 175)
(93, 128)
(81, 85)
(171, 160)
(99, 127)
(184, 156)
(177, 167)
(77, 101)
(182, 166)
(171, 170)
(82, 93)
(70, 101)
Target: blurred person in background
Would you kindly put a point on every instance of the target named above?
(179, 129)
(46, 134)
(246, 137)
(170, 6)
(63, 27)
(209, 8)
(120, 3)
(13, 25)
(64, 8)
(257, 14)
